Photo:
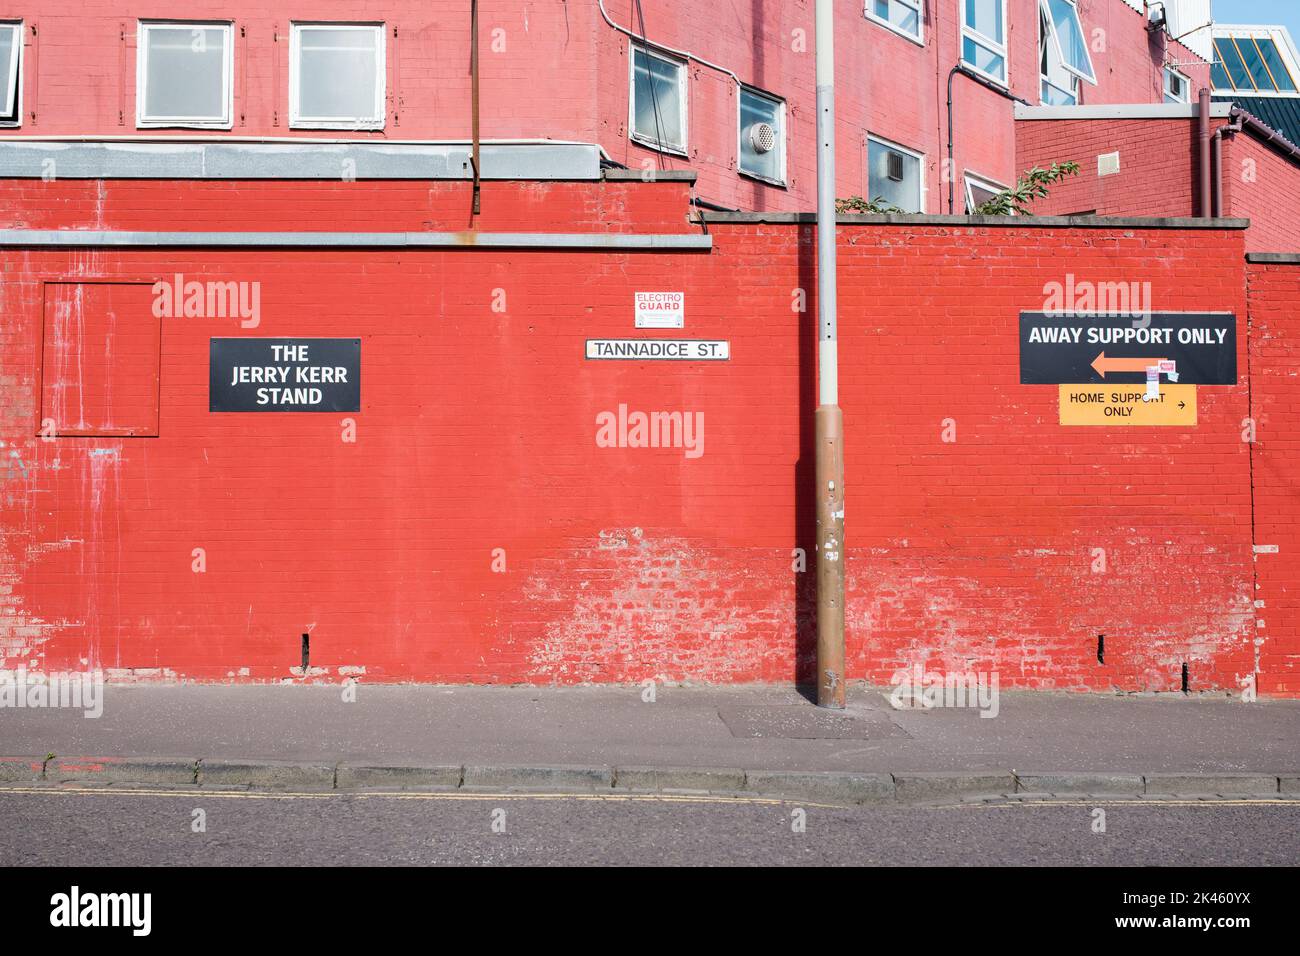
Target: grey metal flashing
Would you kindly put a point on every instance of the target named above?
(1119, 111)
(1274, 258)
(74, 238)
(1004, 222)
(615, 175)
(181, 159)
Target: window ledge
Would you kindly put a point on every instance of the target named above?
(780, 183)
(893, 28)
(993, 78)
(183, 124)
(658, 147)
(366, 127)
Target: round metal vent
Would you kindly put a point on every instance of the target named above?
(762, 137)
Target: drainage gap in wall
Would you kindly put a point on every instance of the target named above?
(1184, 677)
(1101, 648)
(306, 651)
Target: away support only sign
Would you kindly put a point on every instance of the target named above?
(284, 375)
(1190, 348)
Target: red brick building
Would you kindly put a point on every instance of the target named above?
(580, 71)
(485, 511)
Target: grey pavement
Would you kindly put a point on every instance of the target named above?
(755, 728)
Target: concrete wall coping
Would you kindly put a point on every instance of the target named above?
(183, 158)
(615, 175)
(1002, 222)
(1274, 258)
(95, 238)
(1120, 111)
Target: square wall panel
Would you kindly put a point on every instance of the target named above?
(100, 358)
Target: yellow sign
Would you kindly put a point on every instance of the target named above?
(1127, 405)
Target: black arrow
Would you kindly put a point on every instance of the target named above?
(1182, 404)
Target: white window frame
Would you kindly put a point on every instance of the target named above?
(1045, 20)
(296, 120)
(1000, 48)
(918, 38)
(1074, 93)
(16, 68)
(984, 182)
(921, 169)
(631, 100)
(1046, 10)
(780, 135)
(142, 73)
(1187, 85)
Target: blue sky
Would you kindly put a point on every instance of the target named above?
(1285, 12)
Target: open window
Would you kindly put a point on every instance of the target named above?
(984, 38)
(980, 191)
(762, 136)
(183, 74)
(1066, 29)
(894, 175)
(1059, 87)
(11, 74)
(336, 76)
(658, 110)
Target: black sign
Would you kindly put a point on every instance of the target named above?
(284, 375)
(1082, 349)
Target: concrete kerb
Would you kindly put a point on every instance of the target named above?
(1212, 784)
(825, 787)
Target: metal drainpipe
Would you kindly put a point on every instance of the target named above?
(473, 68)
(1203, 121)
(1217, 149)
(987, 84)
(1270, 136)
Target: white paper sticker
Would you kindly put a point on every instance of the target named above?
(660, 310)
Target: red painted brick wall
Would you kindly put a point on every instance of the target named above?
(1160, 174)
(1275, 411)
(477, 432)
(1263, 186)
(556, 69)
(1159, 163)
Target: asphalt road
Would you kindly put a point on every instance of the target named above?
(103, 827)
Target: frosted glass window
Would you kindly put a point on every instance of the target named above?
(894, 176)
(184, 74)
(762, 136)
(11, 43)
(338, 75)
(658, 100)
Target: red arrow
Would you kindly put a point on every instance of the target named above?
(1101, 365)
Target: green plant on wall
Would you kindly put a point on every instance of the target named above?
(858, 204)
(1031, 186)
